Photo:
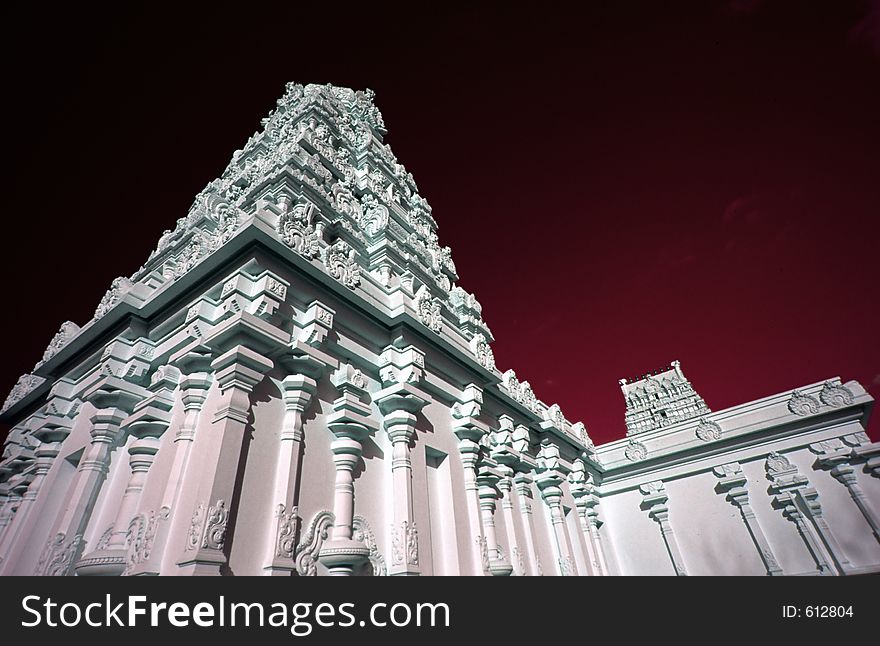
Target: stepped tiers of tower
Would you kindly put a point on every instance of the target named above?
(660, 398)
(295, 383)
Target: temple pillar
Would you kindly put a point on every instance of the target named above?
(654, 502)
(799, 503)
(549, 478)
(400, 401)
(149, 531)
(524, 492)
(147, 423)
(487, 482)
(350, 423)
(470, 431)
(114, 400)
(505, 486)
(734, 483)
(837, 457)
(586, 501)
(237, 371)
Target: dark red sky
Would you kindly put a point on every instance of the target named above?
(621, 186)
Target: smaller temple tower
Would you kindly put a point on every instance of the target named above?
(659, 399)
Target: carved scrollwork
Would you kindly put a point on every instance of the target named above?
(362, 533)
(118, 288)
(287, 528)
(141, 535)
(375, 217)
(777, 464)
(215, 526)
(208, 530)
(58, 555)
(483, 547)
(566, 567)
(64, 336)
(482, 351)
(803, 404)
(341, 263)
(306, 555)
(22, 387)
(405, 544)
(297, 229)
(708, 430)
(429, 310)
(635, 451)
(835, 395)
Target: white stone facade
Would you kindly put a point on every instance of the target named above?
(293, 383)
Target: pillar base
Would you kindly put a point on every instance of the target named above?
(500, 568)
(104, 562)
(341, 556)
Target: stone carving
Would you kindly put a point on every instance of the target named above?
(803, 404)
(288, 525)
(527, 397)
(581, 431)
(521, 438)
(635, 451)
(519, 565)
(22, 387)
(548, 457)
(429, 310)
(118, 288)
(306, 555)
(362, 533)
(297, 229)
(770, 560)
(857, 439)
(375, 217)
(482, 351)
(566, 567)
(511, 384)
(554, 415)
(405, 544)
(341, 263)
(778, 464)
(708, 430)
(195, 528)
(483, 548)
(141, 535)
(208, 530)
(105, 539)
(62, 337)
(502, 437)
(58, 555)
(215, 526)
(318, 174)
(835, 395)
(727, 470)
(652, 488)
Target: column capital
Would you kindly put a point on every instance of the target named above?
(113, 392)
(240, 368)
(654, 496)
(400, 398)
(465, 414)
(731, 477)
(297, 390)
(351, 414)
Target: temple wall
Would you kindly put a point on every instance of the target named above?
(709, 529)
